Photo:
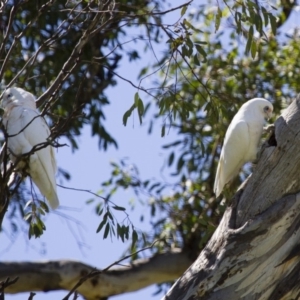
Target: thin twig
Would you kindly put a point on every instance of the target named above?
(81, 190)
(131, 83)
(94, 194)
(96, 272)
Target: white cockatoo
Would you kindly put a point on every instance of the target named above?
(241, 140)
(26, 128)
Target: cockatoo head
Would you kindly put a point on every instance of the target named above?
(260, 106)
(17, 97)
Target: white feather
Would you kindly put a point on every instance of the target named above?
(241, 140)
(26, 128)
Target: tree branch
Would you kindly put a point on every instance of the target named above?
(63, 275)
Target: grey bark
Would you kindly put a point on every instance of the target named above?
(63, 275)
(255, 251)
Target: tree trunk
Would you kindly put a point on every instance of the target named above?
(254, 253)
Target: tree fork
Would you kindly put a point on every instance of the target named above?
(254, 253)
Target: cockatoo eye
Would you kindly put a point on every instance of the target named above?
(9, 95)
(268, 112)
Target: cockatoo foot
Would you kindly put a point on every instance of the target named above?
(269, 129)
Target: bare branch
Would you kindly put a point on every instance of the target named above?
(5, 284)
(63, 275)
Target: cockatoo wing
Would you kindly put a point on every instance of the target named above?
(26, 128)
(232, 157)
(42, 164)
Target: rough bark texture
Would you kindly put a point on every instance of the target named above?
(63, 275)
(255, 251)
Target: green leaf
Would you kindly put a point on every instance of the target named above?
(163, 129)
(171, 159)
(185, 51)
(126, 116)
(99, 209)
(200, 50)
(218, 19)
(120, 232)
(273, 23)
(119, 208)
(172, 145)
(126, 231)
(196, 60)
(250, 37)
(89, 201)
(141, 109)
(40, 225)
(100, 212)
(183, 10)
(44, 206)
(180, 163)
(28, 216)
(28, 203)
(253, 49)
(113, 230)
(188, 24)
(202, 148)
(238, 17)
(30, 231)
(134, 238)
(190, 45)
(37, 231)
(136, 99)
(143, 72)
(258, 23)
(265, 14)
(153, 186)
(153, 210)
(101, 225)
(41, 211)
(110, 215)
(106, 231)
